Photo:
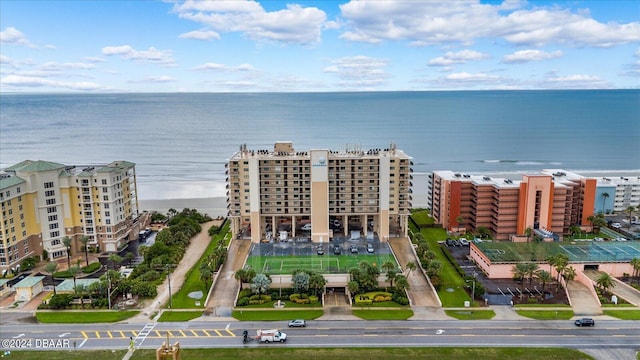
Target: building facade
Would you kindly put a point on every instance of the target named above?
(271, 192)
(44, 202)
(617, 193)
(549, 203)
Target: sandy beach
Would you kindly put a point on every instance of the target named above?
(214, 207)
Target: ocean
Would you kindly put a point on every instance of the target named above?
(180, 142)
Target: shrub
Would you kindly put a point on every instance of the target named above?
(302, 301)
(60, 301)
(363, 300)
(256, 302)
(244, 301)
(93, 267)
(245, 293)
(532, 300)
(294, 297)
(402, 300)
(313, 299)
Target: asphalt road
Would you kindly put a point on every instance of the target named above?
(605, 336)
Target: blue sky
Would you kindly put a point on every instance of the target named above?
(262, 46)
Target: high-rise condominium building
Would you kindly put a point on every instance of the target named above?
(44, 202)
(335, 192)
(548, 202)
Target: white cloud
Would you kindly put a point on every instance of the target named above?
(6, 61)
(13, 36)
(359, 72)
(222, 67)
(200, 35)
(524, 56)
(459, 57)
(442, 23)
(464, 76)
(575, 81)
(53, 66)
(94, 59)
(295, 24)
(152, 55)
(33, 81)
(157, 79)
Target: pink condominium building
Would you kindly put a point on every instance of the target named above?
(325, 193)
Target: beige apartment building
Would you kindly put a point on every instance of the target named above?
(283, 193)
(43, 202)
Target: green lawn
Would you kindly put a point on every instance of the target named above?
(400, 314)
(542, 305)
(273, 353)
(422, 217)
(471, 314)
(623, 314)
(546, 314)
(84, 317)
(169, 316)
(192, 282)
(278, 265)
(274, 315)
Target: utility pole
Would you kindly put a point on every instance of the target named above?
(169, 281)
(109, 288)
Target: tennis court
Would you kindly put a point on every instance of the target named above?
(332, 264)
(592, 251)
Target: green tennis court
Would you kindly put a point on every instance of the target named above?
(278, 265)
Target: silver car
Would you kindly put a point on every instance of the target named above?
(297, 323)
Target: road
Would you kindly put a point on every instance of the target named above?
(605, 336)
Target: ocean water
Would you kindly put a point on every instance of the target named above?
(180, 142)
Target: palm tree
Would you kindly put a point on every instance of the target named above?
(544, 277)
(392, 274)
(115, 260)
(353, 287)
(239, 275)
(411, 265)
(460, 221)
(260, 285)
(205, 274)
(84, 240)
(528, 232)
(569, 273)
(630, 210)
(51, 268)
(317, 281)
(575, 229)
(74, 270)
(605, 282)
(531, 271)
(402, 284)
(604, 195)
(635, 262)
(66, 241)
(519, 271)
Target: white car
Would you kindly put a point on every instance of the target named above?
(297, 323)
(306, 227)
(616, 225)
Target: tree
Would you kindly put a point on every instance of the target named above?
(84, 240)
(74, 270)
(66, 241)
(520, 271)
(300, 282)
(531, 271)
(575, 230)
(528, 232)
(630, 210)
(51, 268)
(635, 263)
(604, 195)
(115, 260)
(544, 277)
(483, 232)
(353, 287)
(260, 284)
(240, 275)
(569, 273)
(605, 282)
(392, 274)
(402, 284)
(411, 266)
(460, 221)
(206, 275)
(129, 257)
(317, 281)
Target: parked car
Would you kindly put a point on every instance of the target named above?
(353, 249)
(585, 322)
(306, 227)
(450, 242)
(370, 249)
(320, 250)
(297, 323)
(337, 250)
(464, 242)
(616, 225)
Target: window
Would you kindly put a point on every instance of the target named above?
(105, 190)
(54, 234)
(53, 226)
(53, 217)
(48, 185)
(107, 213)
(50, 201)
(104, 181)
(105, 198)
(106, 206)
(51, 209)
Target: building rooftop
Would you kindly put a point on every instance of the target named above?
(10, 181)
(67, 284)
(35, 166)
(29, 281)
(285, 149)
(579, 251)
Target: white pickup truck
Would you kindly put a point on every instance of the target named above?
(273, 335)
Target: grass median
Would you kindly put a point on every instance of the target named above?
(373, 314)
(546, 314)
(471, 314)
(84, 317)
(623, 314)
(274, 315)
(172, 316)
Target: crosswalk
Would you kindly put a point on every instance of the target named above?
(150, 333)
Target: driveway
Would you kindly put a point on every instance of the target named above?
(582, 300)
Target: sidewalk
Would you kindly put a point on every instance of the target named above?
(194, 251)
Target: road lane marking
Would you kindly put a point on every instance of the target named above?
(183, 334)
(194, 333)
(82, 343)
(122, 334)
(84, 334)
(230, 332)
(134, 333)
(97, 334)
(205, 331)
(217, 332)
(159, 334)
(110, 335)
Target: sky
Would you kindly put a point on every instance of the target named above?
(317, 46)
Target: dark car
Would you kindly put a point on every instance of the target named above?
(585, 322)
(353, 249)
(337, 250)
(450, 242)
(320, 250)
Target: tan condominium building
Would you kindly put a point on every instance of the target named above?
(319, 193)
(43, 202)
(547, 202)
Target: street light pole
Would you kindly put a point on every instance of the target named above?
(109, 288)
(170, 297)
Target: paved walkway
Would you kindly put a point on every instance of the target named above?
(224, 291)
(620, 289)
(582, 300)
(194, 251)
